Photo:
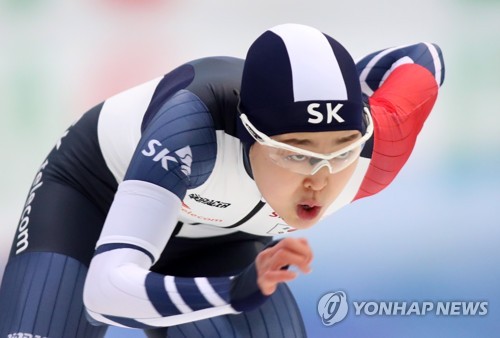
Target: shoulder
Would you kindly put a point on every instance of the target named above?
(216, 76)
(410, 89)
(375, 68)
(211, 80)
(178, 145)
(215, 83)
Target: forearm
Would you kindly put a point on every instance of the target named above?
(121, 290)
(124, 292)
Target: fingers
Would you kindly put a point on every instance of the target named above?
(288, 252)
(282, 257)
(270, 280)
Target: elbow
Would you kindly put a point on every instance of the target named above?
(94, 300)
(114, 292)
(104, 295)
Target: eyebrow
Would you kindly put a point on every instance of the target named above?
(348, 138)
(307, 142)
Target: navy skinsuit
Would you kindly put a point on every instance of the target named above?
(153, 190)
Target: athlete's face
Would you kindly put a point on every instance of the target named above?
(302, 199)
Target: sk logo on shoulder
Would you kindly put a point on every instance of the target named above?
(332, 307)
(182, 157)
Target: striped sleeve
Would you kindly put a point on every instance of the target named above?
(375, 68)
(129, 295)
(121, 290)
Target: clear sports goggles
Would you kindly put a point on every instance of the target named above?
(307, 162)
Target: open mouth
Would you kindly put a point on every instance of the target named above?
(308, 211)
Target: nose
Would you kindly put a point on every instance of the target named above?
(317, 181)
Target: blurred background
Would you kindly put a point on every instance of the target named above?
(433, 235)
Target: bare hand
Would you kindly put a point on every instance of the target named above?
(288, 252)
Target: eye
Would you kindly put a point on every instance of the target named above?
(344, 155)
(297, 158)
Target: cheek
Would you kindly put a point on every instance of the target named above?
(274, 182)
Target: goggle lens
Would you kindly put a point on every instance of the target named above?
(309, 165)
